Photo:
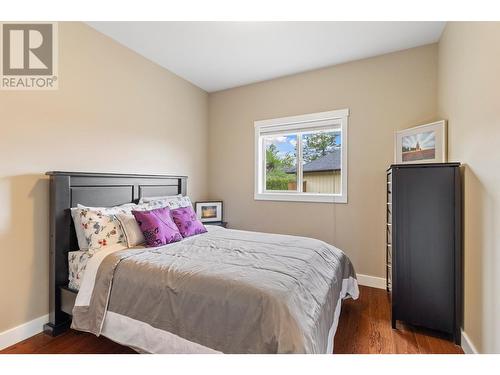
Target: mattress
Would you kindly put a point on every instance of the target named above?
(77, 263)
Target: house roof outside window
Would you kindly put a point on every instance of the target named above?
(329, 162)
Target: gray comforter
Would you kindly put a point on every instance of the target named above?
(232, 291)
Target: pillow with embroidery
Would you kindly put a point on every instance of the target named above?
(157, 227)
(188, 223)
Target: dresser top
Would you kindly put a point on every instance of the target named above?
(424, 165)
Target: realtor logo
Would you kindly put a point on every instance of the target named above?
(28, 56)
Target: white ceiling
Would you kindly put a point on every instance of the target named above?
(221, 55)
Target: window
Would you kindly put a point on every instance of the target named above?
(302, 158)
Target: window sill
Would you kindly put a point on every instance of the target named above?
(302, 197)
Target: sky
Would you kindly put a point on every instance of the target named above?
(426, 140)
(286, 143)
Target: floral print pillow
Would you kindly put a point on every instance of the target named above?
(100, 227)
(172, 203)
(188, 223)
(76, 213)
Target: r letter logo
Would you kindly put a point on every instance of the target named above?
(28, 56)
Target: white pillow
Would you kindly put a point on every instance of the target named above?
(164, 197)
(171, 202)
(131, 229)
(81, 222)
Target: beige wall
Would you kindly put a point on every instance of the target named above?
(114, 111)
(469, 97)
(384, 93)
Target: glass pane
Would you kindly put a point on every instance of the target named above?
(281, 162)
(321, 162)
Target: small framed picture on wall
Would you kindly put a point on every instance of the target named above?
(209, 211)
(421, 144)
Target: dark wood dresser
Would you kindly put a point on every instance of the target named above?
(424, 252)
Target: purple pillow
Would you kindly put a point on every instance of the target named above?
(186, 220)
(157, 227)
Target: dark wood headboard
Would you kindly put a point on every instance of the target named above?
(68, 189)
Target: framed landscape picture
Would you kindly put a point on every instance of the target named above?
(209, 211)
(421, 144)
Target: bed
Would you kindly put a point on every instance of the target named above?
(225, 291)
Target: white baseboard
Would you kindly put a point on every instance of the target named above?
(372, 281)
(22, 332)
(467, 344)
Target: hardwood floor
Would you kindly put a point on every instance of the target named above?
(364, 327)
(70, 342)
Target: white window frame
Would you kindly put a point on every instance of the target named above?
(300, 123)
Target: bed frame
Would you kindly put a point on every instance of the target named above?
(67, 189)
